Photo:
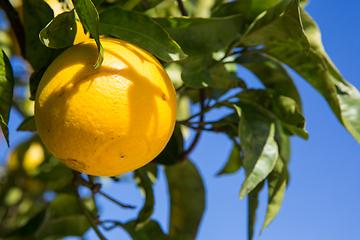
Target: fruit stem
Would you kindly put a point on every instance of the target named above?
(16, 24)
(76, 182)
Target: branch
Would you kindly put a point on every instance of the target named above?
(15, 24)
(76, 180)
(184, 154)
(182, 8)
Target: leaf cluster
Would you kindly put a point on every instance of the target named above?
(201, 47)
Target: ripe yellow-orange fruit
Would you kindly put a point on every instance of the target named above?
(110, 120)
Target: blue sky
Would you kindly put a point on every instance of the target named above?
(323, 196)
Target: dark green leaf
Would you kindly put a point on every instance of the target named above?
(196, 73)
(187, 200)
(256, 132)
(140, 30)
(171, 154)
(6, 93)
(252, 206)
(60, 32)
(64, 218)
(234, 162)
(199, 36)
(37, 14)
(271, 74)
(143, 180)
(29, 229)
(28, 125)
(224, 79)
(283, 141)
(149, 231)
(277, 181)
(89, 18)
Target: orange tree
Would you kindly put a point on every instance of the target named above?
(200, 45)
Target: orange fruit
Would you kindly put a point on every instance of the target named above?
(110, 120)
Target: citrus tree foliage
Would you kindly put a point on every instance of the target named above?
(201, 46)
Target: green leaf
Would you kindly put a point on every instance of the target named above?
(140, 30)
(252, 206)
(259, 157)
(89, 18)
(37, 14)
(187, 200)
(224, 79)
(64, 218)
(145, 183)
(60, 32)
(234, 162)
(348, 97)
(231, 8)
(149, 231)
(28, 230)
(279, 25)
(171, 153)
(283, 141)
(28, 125)
(6, 93)
(272, 74)
(196, 74)
(277, 107)
(277, 181)
(199, 36)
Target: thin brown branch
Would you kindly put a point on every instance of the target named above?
(186, 153)
(16, 24)
(76, 181)
(182, 8)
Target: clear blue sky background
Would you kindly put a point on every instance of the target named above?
(323, 197)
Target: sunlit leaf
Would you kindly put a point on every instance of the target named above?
(277, 181)
(187, 200)
(60, 32)
(199, 36)
(272, 74)
(37, 14)
(347, 95)
(256, 132)
(28, 125)
(89, 18)
(232, 8)
(196, 73)
(252, 206)
(6, 93)
(234, 161)
(140, 30)
(277, 107)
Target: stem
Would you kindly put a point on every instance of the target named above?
(15, 24)
(184, 154)
(182, 8)
(129, 5)
(113, 200)
(77, 178)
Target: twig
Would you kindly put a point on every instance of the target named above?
(15, 23)
(115, 201)
(76, 180)
(184, 154)
(182, 8)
